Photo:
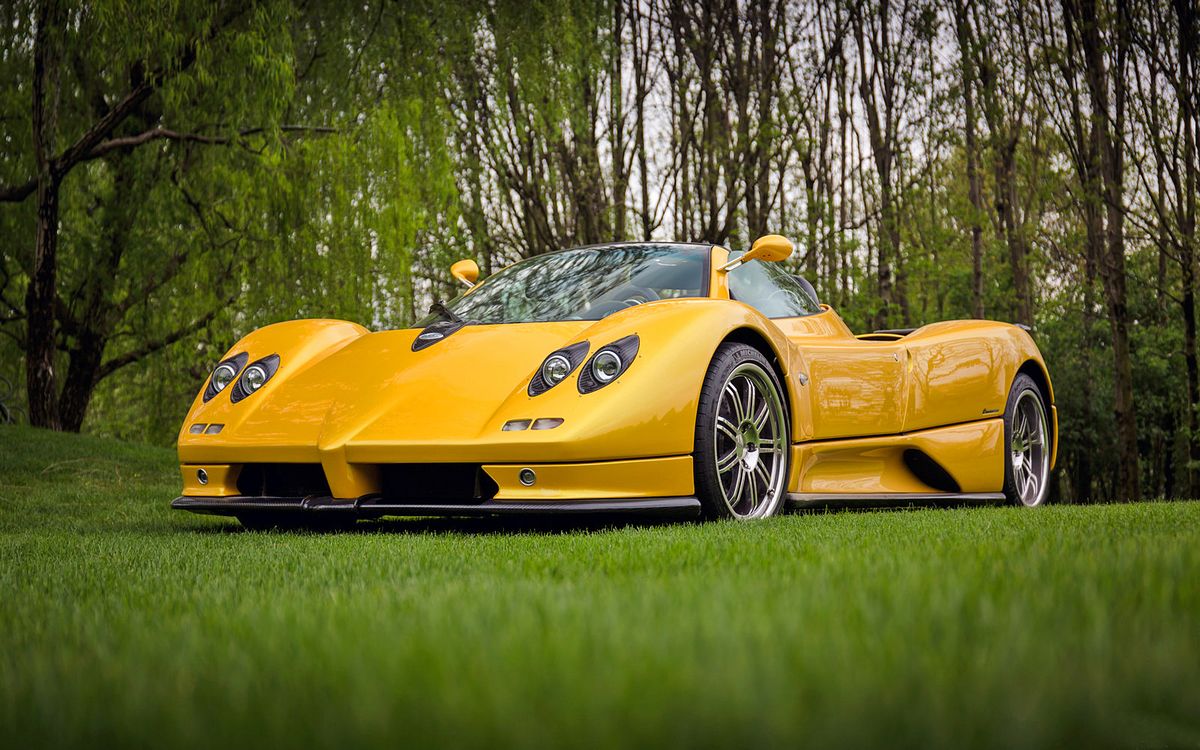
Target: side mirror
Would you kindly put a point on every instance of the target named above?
(466, 271)
(771, 248)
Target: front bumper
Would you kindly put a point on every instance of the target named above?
(375, 507)
(632, 479)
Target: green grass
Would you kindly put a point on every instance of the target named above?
(127, 624)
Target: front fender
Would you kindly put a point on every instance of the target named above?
(651, 409)
(299, 344)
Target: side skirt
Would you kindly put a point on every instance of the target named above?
(890, 499)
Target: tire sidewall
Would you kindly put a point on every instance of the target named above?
(728, 357)
(1022, 384)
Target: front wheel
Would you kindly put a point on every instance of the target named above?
(741, 450)
(1027, 439)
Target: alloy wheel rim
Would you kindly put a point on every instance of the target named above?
(749, 436)
(1028, 448)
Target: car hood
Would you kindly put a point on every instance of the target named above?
(378, 388)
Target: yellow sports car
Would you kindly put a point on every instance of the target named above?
(660, 378)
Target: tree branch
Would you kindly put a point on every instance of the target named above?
(81, 149)
(171, 135)
(17, 193)
(128, 358)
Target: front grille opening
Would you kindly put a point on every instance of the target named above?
(282, 480)
(449, 484)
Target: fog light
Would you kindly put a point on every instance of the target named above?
(197, 428)
(201, 476)
(515, 425)
(547, 423)
(527, 477)
(213, 429)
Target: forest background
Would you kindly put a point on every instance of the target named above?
(176, 174)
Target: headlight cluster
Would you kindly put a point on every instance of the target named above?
(252, 378)
(223, 374)
(557, 367)
(605, 366)
(255, 377)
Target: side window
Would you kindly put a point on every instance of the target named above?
(770, 290)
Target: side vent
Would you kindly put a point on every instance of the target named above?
(929, 471)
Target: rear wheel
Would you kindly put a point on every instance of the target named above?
(741, 448)
(1027, 439)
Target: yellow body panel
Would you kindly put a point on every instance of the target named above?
(222, 480)
(647, 477)
(972, 453)
(352, 400)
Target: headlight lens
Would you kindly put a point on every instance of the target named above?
(606, 366)
(254, 378)
(223, 374)
(556, 367)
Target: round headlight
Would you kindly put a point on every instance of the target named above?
(254, 378)
(223, 376)
(556, 368)
(606, 366)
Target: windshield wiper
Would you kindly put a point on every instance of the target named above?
(440, 308)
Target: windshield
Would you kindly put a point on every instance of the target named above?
(586, 283)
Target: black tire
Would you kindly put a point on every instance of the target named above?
(288, 521)
(761, 454)
(1027, 444)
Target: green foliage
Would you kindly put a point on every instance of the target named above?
(344, 156)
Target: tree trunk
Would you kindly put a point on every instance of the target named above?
(1109, 125)
(1189, 56)
(966, 47)
(1084, 473)
(40, 349)
(1193, 375)
(42, 291)
(1004, 167)
(616, 98)
(80, 382)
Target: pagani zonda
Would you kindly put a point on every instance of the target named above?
(655, 377)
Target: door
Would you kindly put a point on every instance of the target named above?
(858, 388)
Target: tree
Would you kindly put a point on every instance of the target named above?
(967, 45)
(1166, 108)
(886, 58)
(69, 90)
(1092, 66)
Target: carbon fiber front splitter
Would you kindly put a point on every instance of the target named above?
(375, 507)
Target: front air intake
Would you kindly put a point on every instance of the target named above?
(416, 484)
(282, 480)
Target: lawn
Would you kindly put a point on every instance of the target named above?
(128, 624)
